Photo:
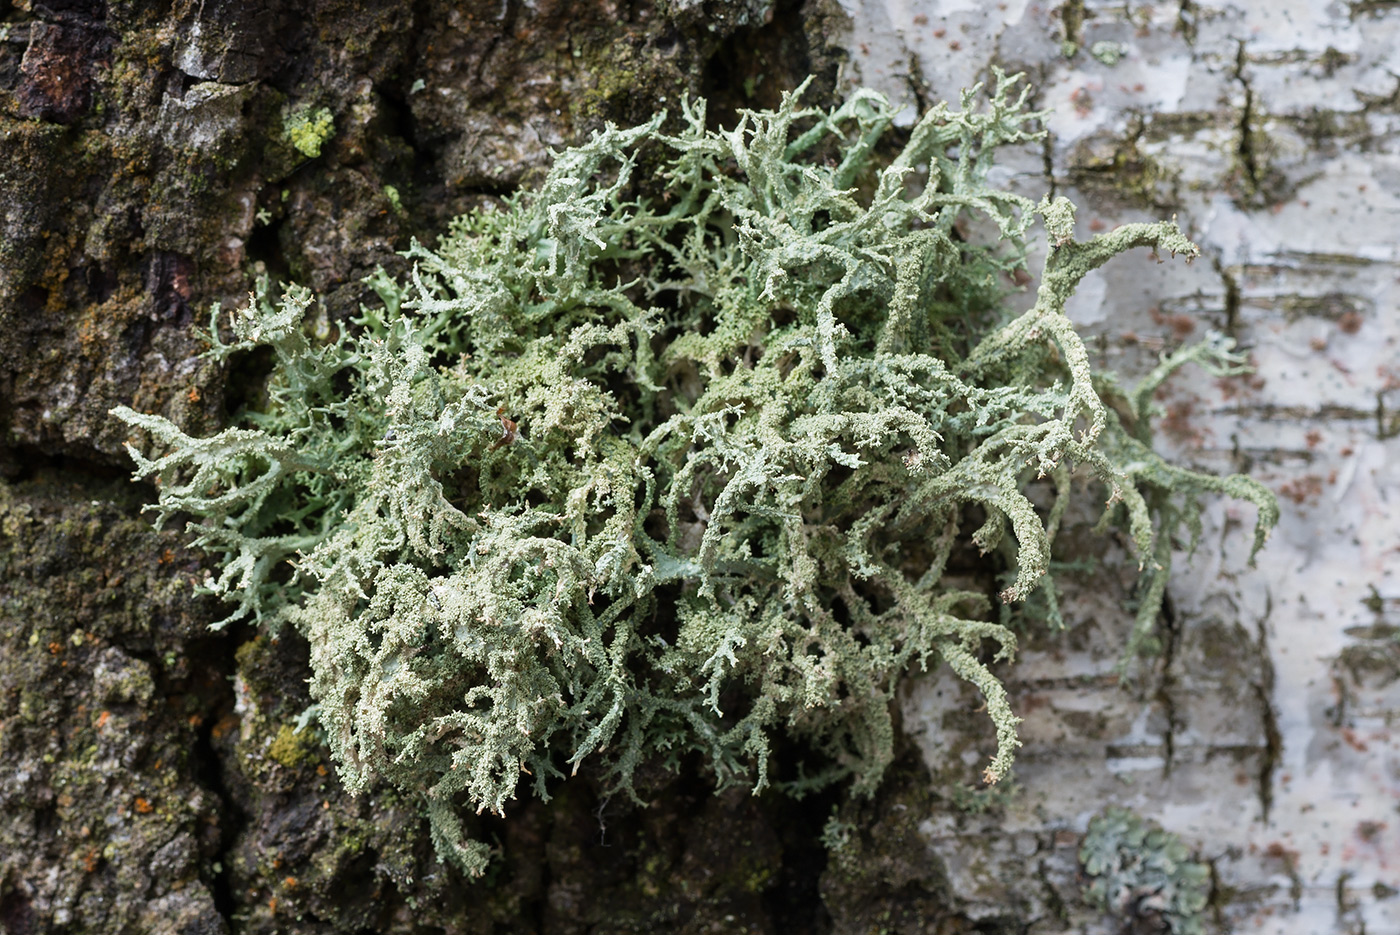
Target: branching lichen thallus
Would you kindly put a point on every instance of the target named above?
(668, 456)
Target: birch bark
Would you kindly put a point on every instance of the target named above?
(1263, 734)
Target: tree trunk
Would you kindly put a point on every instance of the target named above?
(155, 158)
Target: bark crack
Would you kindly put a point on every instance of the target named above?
(1165, 694)
(1231, 298)
(1186, 22)
(1247, 147)
(1264, 693)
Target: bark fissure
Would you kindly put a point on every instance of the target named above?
(1264, 694)
(1167, 682)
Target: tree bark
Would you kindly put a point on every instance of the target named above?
(154, 160)
(1262, 734)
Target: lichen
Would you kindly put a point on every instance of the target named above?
(1109, 53)
(645, 465)
(307, 128)
(290, 747)
(1136, 869)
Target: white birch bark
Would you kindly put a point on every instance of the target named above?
(1265, 735)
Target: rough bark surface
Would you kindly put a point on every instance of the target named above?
(154, 157)
(151, 779)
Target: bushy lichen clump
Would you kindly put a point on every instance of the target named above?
(1138, 869)
(635, 467)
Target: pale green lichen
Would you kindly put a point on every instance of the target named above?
(395, 201)
(1136, 870)
(1109, 53)
(643, 465)
(307, 128)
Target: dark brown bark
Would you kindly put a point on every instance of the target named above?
(151, 779)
